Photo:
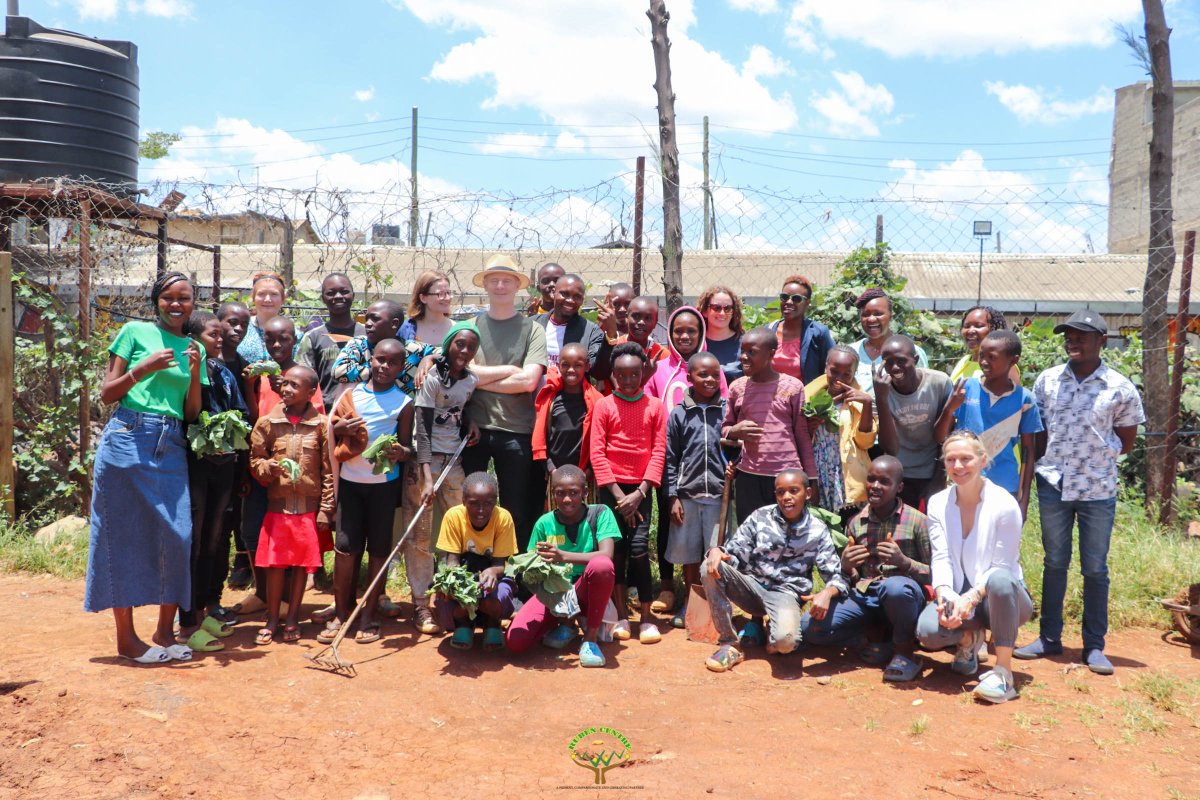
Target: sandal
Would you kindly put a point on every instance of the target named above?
(153, 655)
(222, 614)
(265, 636)
(291, 633)
(215, 627)
(463, 638)
(966, 656)
(664, 602)
(324, 614)
(752, 634)
(368, 633)
(876, 653)
(330, 632)
(493, 639)
(387, 607)
(901, 669)
(204, 642)
(726, 658)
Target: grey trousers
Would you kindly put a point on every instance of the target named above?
(783, 608)
(1006, 608)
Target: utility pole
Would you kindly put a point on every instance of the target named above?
(414, 208)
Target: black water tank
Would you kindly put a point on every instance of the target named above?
(68, 107)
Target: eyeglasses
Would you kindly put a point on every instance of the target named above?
(439, 294)
(720, 309)
(795, 298)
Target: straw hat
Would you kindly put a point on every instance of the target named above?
(501, 265)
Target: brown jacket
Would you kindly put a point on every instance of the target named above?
(275, 438)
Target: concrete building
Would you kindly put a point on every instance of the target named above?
(1129, 166)
(245, 227)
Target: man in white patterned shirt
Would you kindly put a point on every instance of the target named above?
(1091, 414)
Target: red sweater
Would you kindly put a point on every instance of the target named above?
(629, 440)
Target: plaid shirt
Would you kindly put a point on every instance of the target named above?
(909, 529)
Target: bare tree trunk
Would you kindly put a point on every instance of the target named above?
(1160, 262)
(672, 249)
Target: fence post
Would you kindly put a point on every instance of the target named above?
(287, 256)
(85, 335)
(162, 247)
(878, 231)
(639, 198)
(216, 278)
(708, 237)
(1171, 456)
(8, 388)
(414, 208)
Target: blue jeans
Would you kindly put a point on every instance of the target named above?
(1095, 518)
(896, 601)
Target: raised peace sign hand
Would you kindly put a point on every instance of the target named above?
(606, 317)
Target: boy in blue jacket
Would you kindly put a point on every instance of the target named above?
(695, 470)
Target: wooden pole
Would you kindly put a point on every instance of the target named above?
(414, 206)
(672, 248)
(216, 280)
(287, 256)
(8, 387)
(639, 201)
(85, 335)
(708, 227)
(1171, 460)
(162, 247)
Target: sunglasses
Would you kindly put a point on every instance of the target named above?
(795, 298)
(721, 309)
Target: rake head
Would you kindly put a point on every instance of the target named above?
(329, 659)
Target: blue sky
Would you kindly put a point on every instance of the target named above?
(873, 99)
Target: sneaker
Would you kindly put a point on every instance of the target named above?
(752, 634)
(590, 655)
(1097, 662)
(664, 603)
(621, 631)
(560, 637)
(648, 633)
(726, 658)
(680, 618)
(423, 620)
(966, 657)
(1038, 648)
(996, 686)
(388, 608)
(982, 653)
(463, 638)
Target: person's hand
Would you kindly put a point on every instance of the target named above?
(472, 433)
(890, 553)
(276, 381)
(427, 491)
(820, 601)
(852, 395)
(1023, 501)
(606, 317)
(549, 552)
(854, 556)
(712, 561)
(746, 431)
(958, 396)
(155, 362)
(194, 357)
(676, 511)
(489, 577)
(276, 469)
(534, 305)
(882, 382)
(422, 370)
(945, 606)
(323, 527)
(347, 425)
(627, 507)
(730, 471)
(397, 453)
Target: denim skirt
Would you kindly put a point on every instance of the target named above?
(141, 532)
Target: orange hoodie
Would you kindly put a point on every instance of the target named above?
(542, 404)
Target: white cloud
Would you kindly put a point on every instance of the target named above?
(108, 9)
(762, 63)
(365, 95)
(954, 29)
(850, 109)
(521, 143)
(96, 9)
(163, 8)
(590, 63)
(1034, 104)
(755, 6)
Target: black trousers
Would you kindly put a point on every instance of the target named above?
(512, 454)
(632, 557)
(752, 492)
(211, 483)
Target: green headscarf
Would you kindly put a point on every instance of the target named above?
(440, 364)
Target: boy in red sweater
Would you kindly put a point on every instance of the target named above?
(628, 451)
(563, 412)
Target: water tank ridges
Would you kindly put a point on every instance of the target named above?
(68, 107)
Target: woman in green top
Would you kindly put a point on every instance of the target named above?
(141, 524)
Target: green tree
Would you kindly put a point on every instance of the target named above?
(156, 144)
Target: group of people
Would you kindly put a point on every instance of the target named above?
(575, 436)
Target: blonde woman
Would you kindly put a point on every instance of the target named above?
(429, 309)
(975, 538)
(266, 299)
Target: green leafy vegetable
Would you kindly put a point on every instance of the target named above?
(376, 454)
(292, 468)
(542, 577)
(833, 522)
(822, 408)
(217, 434)
(459, 584)
(262, 368)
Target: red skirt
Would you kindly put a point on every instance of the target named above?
(288, 540)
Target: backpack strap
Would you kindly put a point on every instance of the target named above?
(593, 517)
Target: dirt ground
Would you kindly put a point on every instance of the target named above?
(259, 722)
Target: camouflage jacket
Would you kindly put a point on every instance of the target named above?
(781, 556)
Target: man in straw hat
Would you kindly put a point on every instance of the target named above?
(509, 365)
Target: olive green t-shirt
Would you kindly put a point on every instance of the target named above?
(516, 341)
(162, 392)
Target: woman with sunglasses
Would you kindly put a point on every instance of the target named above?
(803, 343)
(722, 310)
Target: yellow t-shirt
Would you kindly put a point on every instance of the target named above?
(458, 535)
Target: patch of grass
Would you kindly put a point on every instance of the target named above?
(1078, 685)
(870, 724)
(1161, 690)
(20, 552)
(1137, 718)
(1145, 562)
(918, 726)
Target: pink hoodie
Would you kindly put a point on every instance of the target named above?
(670, 378)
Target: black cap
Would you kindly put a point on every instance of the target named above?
(1084, 320)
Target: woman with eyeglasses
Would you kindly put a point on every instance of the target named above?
(803, 343)
(429, 310)
(722, 310)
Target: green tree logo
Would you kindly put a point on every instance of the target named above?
(609, 748)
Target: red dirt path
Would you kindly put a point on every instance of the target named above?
(424, 720)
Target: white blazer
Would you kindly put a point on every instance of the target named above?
(996, 538)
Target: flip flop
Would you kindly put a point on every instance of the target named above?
(324, 614)
(368, 634)
(291, 633)
(330, 632)
(216, 627)
(221, 614)
(179, 652)
(264, 636)
(901, 669)
(876, 653)
(204, 642)
(154, 655)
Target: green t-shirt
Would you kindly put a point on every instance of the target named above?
(515, 341)
(161, 392)
(548, 528)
